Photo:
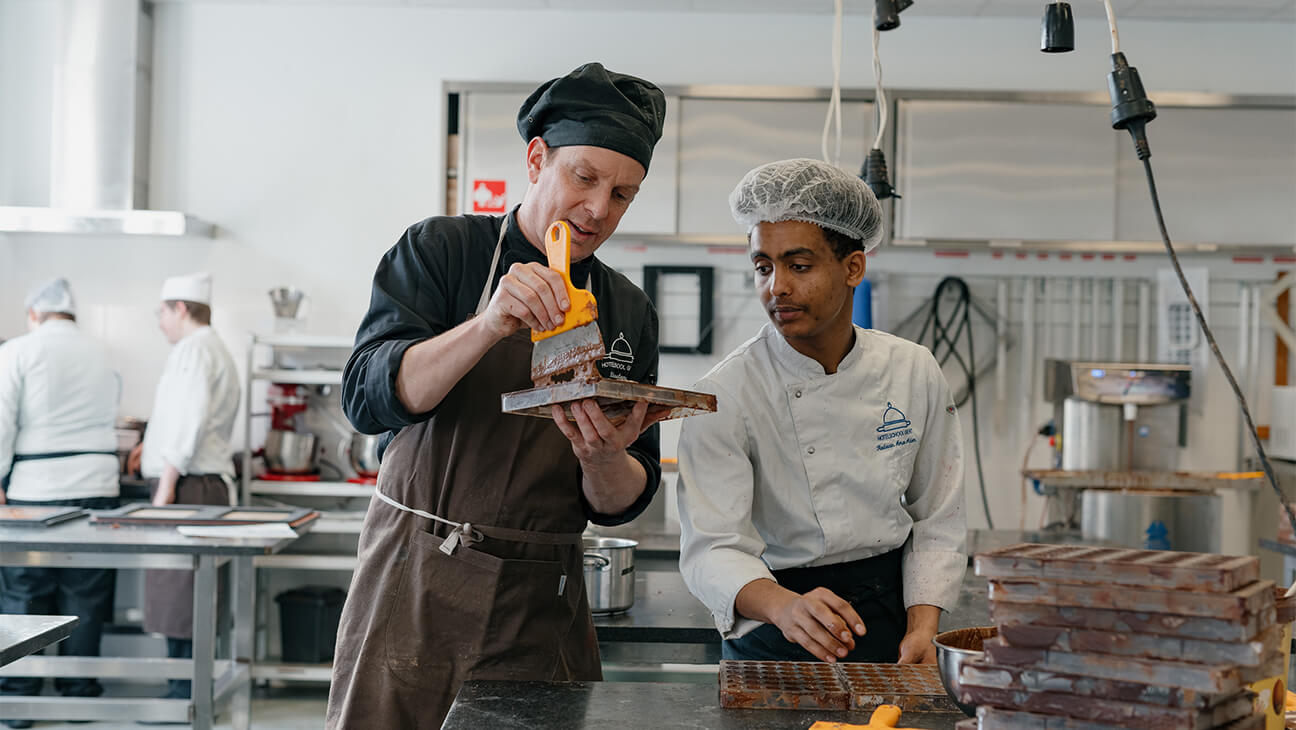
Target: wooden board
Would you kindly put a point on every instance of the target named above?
(615, 397)
(1233, 606)
(1114, 712)
(1206, 678)
(1006, 613)
(1242, 653)
(202, 514)
(1181, 481)
(32, 515)
(1143, 568)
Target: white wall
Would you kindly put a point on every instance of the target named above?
(310, 134)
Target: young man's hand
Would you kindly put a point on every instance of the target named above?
(820, 621)
(916, 647)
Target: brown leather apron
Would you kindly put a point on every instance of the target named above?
(168, 594)
(503, 597)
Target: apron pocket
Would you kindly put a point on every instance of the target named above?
(439, 618)
(531, 620)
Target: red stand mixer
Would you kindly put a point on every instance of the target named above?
(290, 451)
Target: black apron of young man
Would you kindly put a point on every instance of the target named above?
(872, 586)
(418, 622)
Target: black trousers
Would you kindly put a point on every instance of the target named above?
(871, 586)
(86, 593)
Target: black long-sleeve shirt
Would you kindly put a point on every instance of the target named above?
(431, 281)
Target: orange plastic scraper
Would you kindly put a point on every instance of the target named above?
(567, 352)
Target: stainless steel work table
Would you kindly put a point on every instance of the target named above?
(21, 635)
(80, 544)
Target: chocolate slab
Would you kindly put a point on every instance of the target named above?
(1142, 568)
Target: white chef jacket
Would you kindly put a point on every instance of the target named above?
(58, 393)
(194, 409)
(801, 468)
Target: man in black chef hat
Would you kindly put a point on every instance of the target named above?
(470, 559)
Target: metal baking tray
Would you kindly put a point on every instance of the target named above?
(615, 397)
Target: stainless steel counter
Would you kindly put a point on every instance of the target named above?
(23, 635)
(79, 544)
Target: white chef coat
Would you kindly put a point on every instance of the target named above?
(801, 468)
(194, 409)
(58, 393)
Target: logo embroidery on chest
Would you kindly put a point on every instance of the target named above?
(620, 355)
(895, 429)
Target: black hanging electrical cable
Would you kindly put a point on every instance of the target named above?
(941, 334)
(1210, 338)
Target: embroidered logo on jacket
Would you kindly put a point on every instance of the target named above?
(620, 355)
(895, 429)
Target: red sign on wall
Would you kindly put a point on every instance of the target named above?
(488, 196)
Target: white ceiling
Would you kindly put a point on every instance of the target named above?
(1219, 10)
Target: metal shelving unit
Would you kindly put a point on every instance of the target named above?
(330, 523)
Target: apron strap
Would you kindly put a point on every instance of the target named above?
(484, 299)
(468, 534)
(60, 455)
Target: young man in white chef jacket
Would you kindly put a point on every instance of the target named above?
(186, 451)
(822, 504)
(58, 407)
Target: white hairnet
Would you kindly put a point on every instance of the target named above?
(52, 296)
(811, 191)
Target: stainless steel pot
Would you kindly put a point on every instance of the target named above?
(609, 573)
(363, 454)
(291, 452)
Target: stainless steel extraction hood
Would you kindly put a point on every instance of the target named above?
(99, 146)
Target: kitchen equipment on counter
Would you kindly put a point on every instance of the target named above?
(291, 452)
(609, 573)
(287, 301)
(361, 452)
(953, 649)
(1157, 519)
(860, 686)
(1121, 425)
(130, 433)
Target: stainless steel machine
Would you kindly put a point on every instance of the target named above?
(1119, 430)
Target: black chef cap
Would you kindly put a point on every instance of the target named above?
(596, 107)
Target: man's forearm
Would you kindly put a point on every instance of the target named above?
(923, 618)
(611, 488)
(166, 491)
(431, 368)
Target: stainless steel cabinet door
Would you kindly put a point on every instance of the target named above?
(721, 140)
(1005, 170)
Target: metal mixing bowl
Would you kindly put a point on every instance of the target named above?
(290, 452)
(953, 648)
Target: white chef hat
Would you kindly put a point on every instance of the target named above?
(194, 287)
(53, 296)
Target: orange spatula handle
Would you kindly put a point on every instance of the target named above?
(584, 308)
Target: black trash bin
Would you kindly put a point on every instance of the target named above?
(308, 622)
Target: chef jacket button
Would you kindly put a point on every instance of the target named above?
(798, 394)
(810, 450)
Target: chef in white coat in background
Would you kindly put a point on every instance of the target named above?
(58, 407)
(822, 503)
(186, 451)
